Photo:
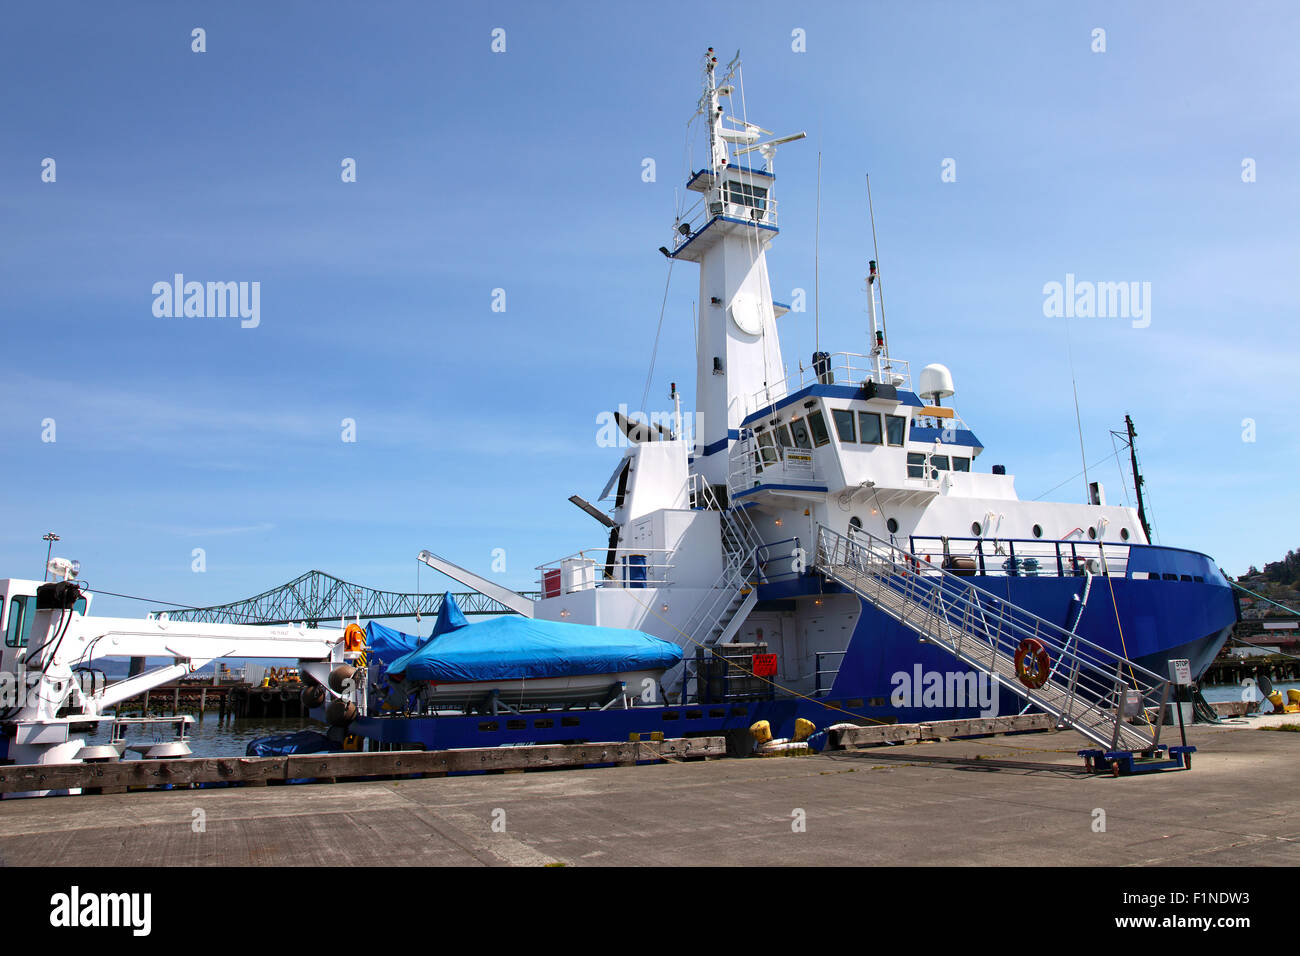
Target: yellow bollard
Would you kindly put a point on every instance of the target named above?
(803, 729)
(761, 732)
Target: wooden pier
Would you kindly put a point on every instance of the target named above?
(185, 772)
(230, 700)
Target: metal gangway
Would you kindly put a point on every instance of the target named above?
(1084, 686)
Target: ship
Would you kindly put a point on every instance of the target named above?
(807, 548)
(741, 532)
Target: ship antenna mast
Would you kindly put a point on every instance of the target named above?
(875, 245)
(1138, 480)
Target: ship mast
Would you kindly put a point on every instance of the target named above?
(1138, 480)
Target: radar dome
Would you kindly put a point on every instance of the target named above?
(936, 383)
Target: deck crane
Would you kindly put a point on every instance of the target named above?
(50, 641)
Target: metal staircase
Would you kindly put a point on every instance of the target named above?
(722, 611)
(1088, 688)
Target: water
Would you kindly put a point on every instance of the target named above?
(207, 737)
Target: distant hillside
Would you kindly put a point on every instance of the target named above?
(1279, 581)
(1285, 572)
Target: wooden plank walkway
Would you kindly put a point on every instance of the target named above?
(852, 737)
(116, 777)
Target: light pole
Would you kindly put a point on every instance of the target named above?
(51, 537)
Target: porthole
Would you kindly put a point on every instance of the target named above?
(1123, 533)
(975, 528)
(1092, 532)
(855, 523)
(1038, 531)
(892, 525)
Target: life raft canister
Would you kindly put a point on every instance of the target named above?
(1032, 663)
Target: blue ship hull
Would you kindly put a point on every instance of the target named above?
(1182, 608)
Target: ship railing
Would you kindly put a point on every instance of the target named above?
(713, 205)
(1084, 685)
(825, 676)
(952, 422)
(754, 460)
(1025, 557)
(838, 368)
(632, 567)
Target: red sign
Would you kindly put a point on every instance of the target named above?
(764, 665)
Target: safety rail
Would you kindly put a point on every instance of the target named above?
(1026, 557)
(733, 593)
(838, 368)
(755, 460)
(584, 570)
(825, 677)
(711, 206)
(1085, 686)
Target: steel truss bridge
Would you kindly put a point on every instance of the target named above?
(316, 596)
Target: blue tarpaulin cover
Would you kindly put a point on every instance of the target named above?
(387, 645)
(513, 648)
(303, 742)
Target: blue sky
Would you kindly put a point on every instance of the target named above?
(522, 171)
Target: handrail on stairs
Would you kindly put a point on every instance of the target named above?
(1088, 687)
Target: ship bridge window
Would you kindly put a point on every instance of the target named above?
(747, 194)
(940, 463)
(817, 424)
(799, 430)
(869, 428)
(21, 608)
(915, 464)
(895, 428)
(767, 448)
(843, 418)
(961, 464)
(783, 436)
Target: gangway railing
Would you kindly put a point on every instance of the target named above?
(1085, 686)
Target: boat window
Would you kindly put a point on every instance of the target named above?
(783, 436)
(940, 462)
(1038, 531)
(844, 424)
(20, 621)
(892, 525)
(869, 428)
(817, 423)
(961, 464)
(896, 428)
(747, 194)
(799, 431)
(1123, 533)
(915, 464)
(767, 448)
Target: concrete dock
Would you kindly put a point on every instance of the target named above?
(1238, 806)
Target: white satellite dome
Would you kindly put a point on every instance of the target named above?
(936, 383)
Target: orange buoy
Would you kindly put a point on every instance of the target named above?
(1032, 663)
